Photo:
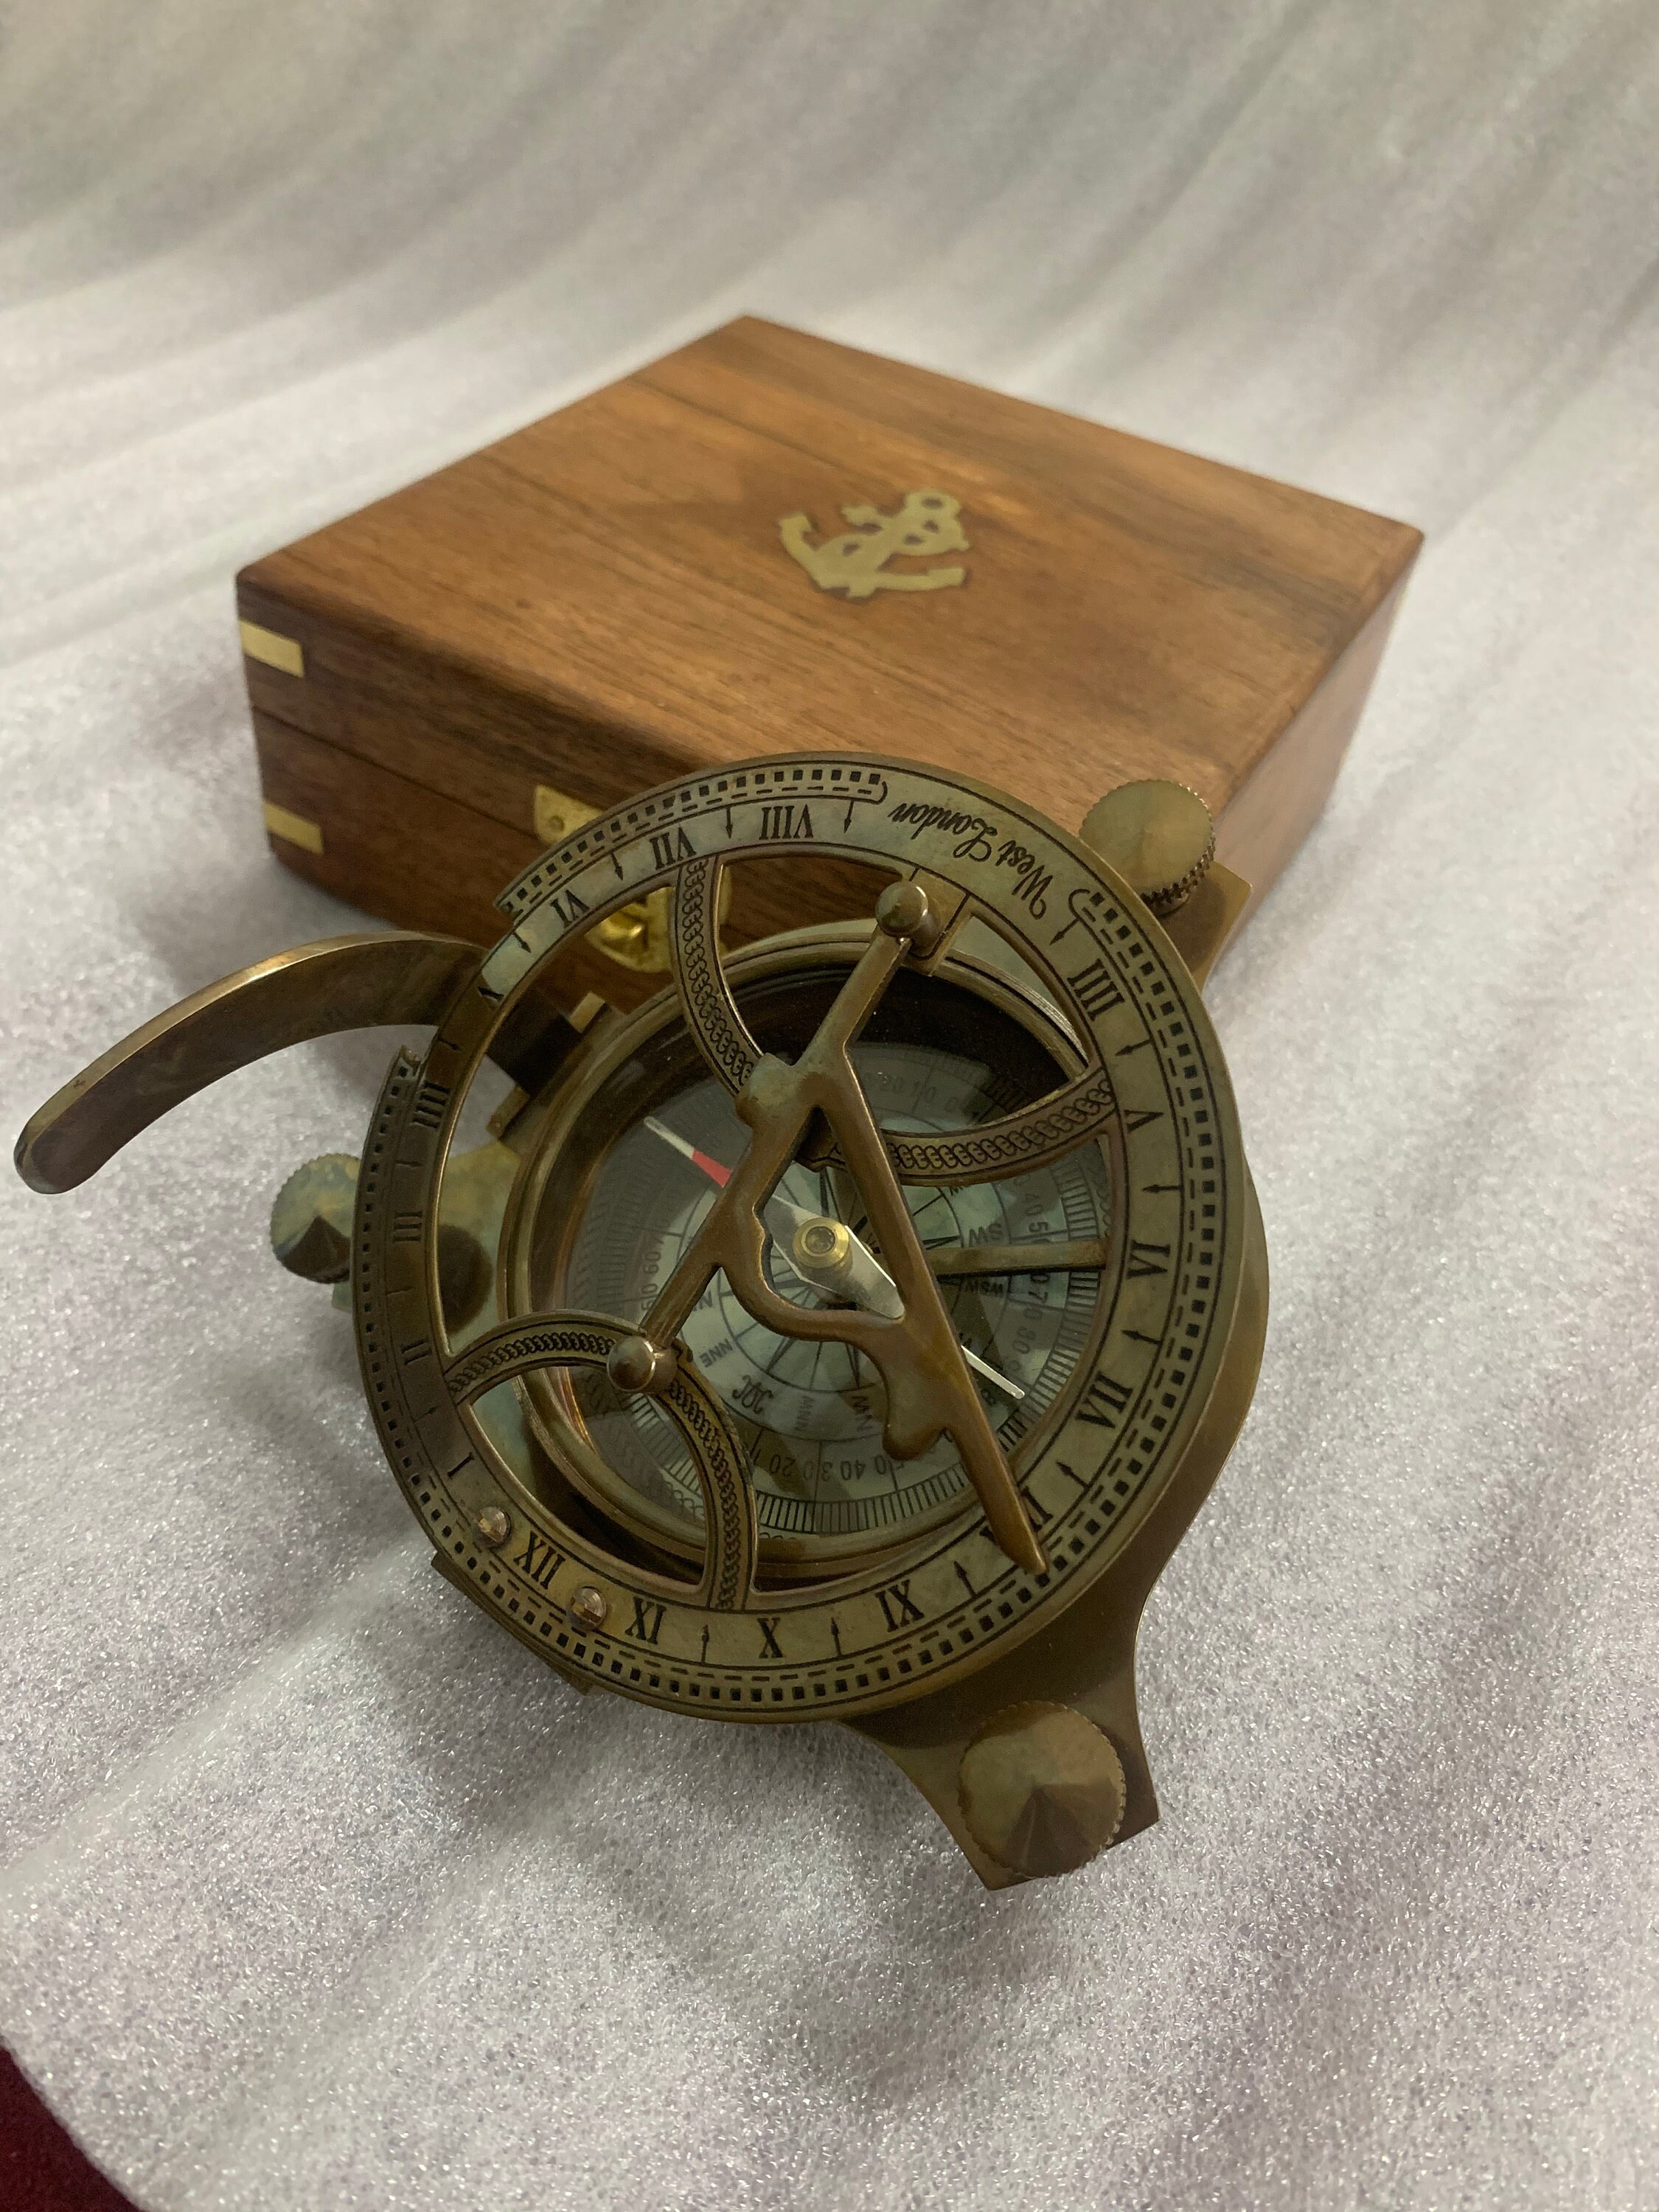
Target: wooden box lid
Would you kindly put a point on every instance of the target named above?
(608, 598)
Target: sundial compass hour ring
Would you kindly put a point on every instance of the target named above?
(1064, 1122)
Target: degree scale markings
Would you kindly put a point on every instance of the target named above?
(1175, 1186)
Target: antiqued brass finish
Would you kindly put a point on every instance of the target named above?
(312, 1220)
(587, 1609)
(951, 1260)
(314, 990)
(1042, 1789)
(636, 1364)
(902, 912)
(1158, 836)
(1205, 920)
(971, 1240)
(915, 1349)
(636, 935)
(561, 1158)
(855, 563)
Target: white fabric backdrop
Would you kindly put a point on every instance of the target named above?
(316, 1891)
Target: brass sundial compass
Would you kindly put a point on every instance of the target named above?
(849, 1332)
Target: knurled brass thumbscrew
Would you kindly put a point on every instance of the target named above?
(311, 1220)
(1158, 836)
(1042, 1789)
(587, 1609)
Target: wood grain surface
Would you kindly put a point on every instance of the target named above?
(602, 600)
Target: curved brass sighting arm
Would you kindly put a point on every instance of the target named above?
(313, 991)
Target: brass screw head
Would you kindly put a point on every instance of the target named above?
(1042, 1789)
(822, 1243)
(311, 1221)
(587, 1609)
(903, 911)
(493, 1526)
(1158, 836)
(636, 1364)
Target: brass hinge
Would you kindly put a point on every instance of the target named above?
(274, 650)
(293, 829)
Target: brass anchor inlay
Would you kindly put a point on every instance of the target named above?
(856, 562)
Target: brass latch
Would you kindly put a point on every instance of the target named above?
(636, 935)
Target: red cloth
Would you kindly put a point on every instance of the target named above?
(42, 2168)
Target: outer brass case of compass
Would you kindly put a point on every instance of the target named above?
(850, 1332)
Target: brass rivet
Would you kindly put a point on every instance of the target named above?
(587, 1609)
(636, 1364)
(1042, 1789)
(493, 1526)
(903, 911)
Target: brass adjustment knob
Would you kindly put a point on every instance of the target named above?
(311, 1225)
(903, 911)
(311, 1221)
(1158, 836)
(1042, 1789)
(636, 1364)
(822, 1251)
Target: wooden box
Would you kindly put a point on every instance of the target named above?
(766, 542)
